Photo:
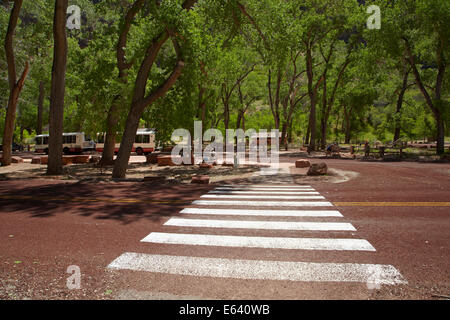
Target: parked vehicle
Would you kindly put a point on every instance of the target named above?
(76, 142)
(15, 147)
(144, 142)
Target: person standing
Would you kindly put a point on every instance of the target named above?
(366, 149)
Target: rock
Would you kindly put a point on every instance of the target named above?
(66, 160)
(153, 179)
(318, 169)
(200, 179)
(104, 163)
(165, 161)
(16, 160)
(302, 163)
(227, 164)
(95, 159)
(55, 177)
(81, 159)
(205, 165)
(152, 158)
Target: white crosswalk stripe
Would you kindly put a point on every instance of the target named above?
(258, 186)
(264, 192)
(263, 225)
(237, 215)
(262, 203)
(226, 196)
(260, 242)
(264, 189)
(270, 213)
(258, 269)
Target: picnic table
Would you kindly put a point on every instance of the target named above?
(384, 152)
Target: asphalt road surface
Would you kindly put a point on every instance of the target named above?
(384, 234)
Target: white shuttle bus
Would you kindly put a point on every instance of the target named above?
(144, 142)
(75, 142)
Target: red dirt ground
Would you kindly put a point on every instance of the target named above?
(46, 226)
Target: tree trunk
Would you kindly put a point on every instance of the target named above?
(202, 105)
(323, 132)
(275, 102)
(440, 140)
(226, 115)
(284, 128)
(312, 125)
(312, 92)
(40, 107)
(137, 108)
(440, 146)
(225, 96)
(308, 132)
(110, 137)
(58, 89)
(14, 87)
(21, 133)
(400, 104)
(323, 119)
(9, 128)
(204, 110)
(239, 119)
(126, 145)
(397, 121)
(347, 127)
(290, 138)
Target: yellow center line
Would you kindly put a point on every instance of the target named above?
(168, 201)
(392, 204)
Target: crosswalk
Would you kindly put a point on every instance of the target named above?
(214, 220)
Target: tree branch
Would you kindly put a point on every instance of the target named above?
(147, 63)
(163, 88)
(21, 81)
(253, 22)
(122, 43)
(9, 46)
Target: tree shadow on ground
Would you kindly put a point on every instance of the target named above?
(124, 202)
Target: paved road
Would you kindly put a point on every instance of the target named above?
(293, 241)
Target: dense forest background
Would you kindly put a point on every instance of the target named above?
(311, 68)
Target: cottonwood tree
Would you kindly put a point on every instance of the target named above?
(323, 25)
(418, 32)
(235, 65)
(123, 67)
(271, 28)
(15, 85)
(250, 92)
(58, 85)
(169, 17)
